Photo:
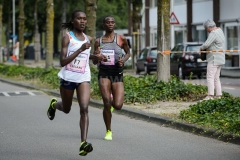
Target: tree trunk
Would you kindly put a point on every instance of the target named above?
(129, 18)
(147, 27)
(1, 26)
(163, 31)
(37, 47)
(64, 8)
(136, 18)
(21, 27)
(91, 9)
(8, 28)
(49, 33)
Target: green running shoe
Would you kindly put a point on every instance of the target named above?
(108, 136)
(51, 111)
(85, 148)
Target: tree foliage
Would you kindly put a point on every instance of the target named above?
(115, 8)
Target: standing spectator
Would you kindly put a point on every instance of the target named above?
(215, 41)
(110, 76)
(16, 50)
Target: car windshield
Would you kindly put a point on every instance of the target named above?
(193, 48)
(153, 53)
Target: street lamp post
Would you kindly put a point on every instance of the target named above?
(13, 17)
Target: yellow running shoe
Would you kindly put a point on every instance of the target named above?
(111, 109)
(108, 136)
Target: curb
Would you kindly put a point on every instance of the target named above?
(138, 114)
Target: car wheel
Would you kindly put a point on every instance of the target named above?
(181, 75)
(199, 76)
(137, 69)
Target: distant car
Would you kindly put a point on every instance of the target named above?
(187, 61)
(146, 60)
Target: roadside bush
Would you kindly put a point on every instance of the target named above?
(221, 114)
(28, 73)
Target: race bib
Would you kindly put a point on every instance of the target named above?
(110, 54)
(78, 64)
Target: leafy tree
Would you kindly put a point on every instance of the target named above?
(115, 8)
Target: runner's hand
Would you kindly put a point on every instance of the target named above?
(120, 62)
(100, 56)
(85, 46)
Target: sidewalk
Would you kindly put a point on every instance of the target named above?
(158, 113)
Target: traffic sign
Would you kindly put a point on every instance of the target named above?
(173, 19)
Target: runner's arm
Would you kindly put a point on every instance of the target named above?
(125, 48)
(64, 59)
(96, 52)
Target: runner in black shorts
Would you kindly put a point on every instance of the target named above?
(110, 76)
(75, 75)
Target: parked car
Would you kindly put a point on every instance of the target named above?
(188, 60)
(146, 60)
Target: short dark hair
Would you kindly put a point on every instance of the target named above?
(104, 19)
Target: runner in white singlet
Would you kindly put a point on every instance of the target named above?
(75, 75)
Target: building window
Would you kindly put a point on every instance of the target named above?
(202, 35)
(178, 36)
(232, 37)
(232, 59)
(179, 1)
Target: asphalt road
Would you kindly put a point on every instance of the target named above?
(27, 134)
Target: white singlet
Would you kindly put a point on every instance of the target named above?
(78, 70)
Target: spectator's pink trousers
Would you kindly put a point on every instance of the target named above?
(213, 80)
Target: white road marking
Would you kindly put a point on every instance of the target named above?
(32, 94)
(6, 94)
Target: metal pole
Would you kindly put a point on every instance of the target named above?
(13, 17)
(238, 42)
(172, 28)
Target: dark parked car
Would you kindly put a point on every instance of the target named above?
(188, 60)
(184, 62)
(146, 60)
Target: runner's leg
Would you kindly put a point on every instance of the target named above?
(66, 103)
(83, 95)
(105, 89)
(118, 95)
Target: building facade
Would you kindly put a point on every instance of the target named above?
(224, 12)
